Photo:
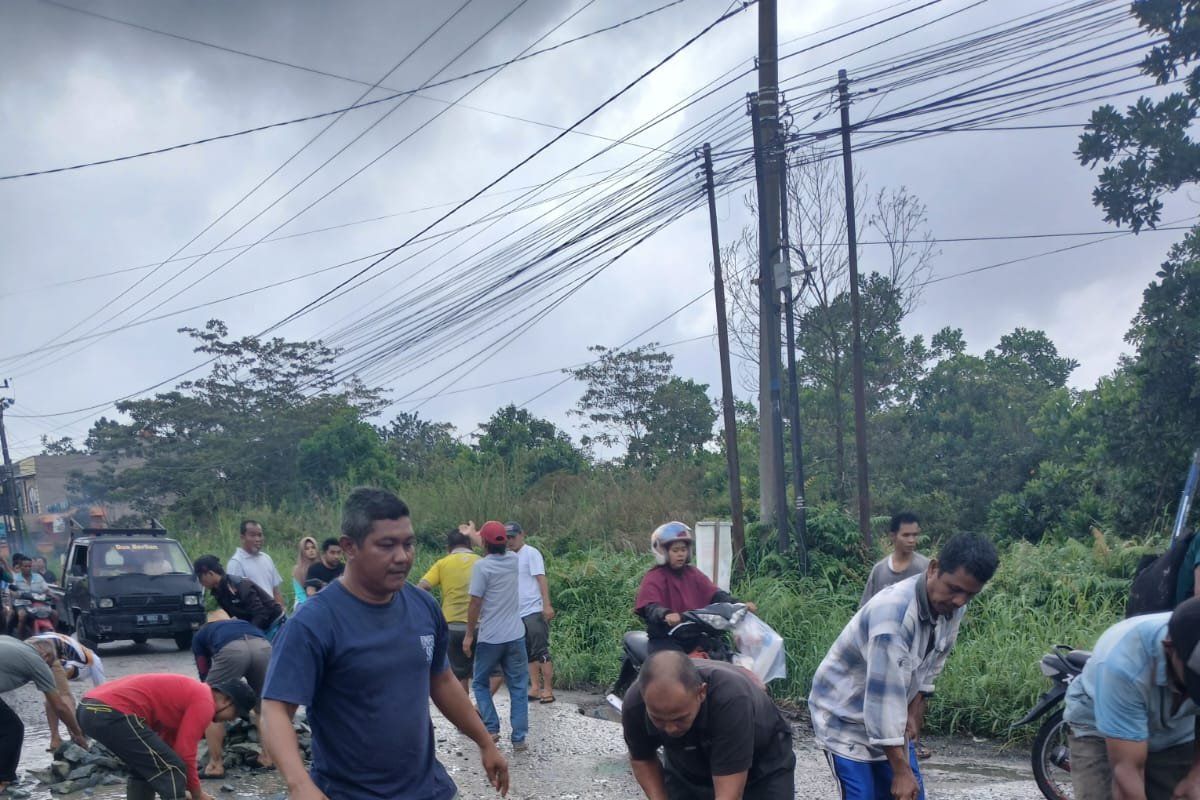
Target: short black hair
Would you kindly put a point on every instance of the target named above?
(903, 518)
(21, 558)
(208, 564)
(246, 523)
(671, 665)
(456, 538)
(332, 541)
(971, 551)
(496, 549)
(364, 507)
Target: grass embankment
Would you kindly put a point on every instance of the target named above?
(1042, 595)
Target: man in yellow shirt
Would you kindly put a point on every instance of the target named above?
(453, 574)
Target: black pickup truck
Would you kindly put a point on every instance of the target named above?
(133, 584)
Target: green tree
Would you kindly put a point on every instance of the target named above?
(524, 441)
(418, 444)
(345, 450)
(59, 447)
(1149, 150)
(622, 386)
(678, 426)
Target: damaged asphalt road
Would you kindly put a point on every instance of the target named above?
(572, 755)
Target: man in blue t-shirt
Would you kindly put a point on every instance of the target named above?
(362, 656)
(497, 634)
(1132, 712)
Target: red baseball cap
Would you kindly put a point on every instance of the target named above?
(493, 532)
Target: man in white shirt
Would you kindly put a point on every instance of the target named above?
(536, 613)
(249, 561)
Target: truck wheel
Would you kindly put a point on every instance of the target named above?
(183, 640)
(140, 638)
(84, 634)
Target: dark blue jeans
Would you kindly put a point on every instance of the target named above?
(515, 665)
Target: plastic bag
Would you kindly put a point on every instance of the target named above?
(759, 648)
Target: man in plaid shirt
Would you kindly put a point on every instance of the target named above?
(868, 696)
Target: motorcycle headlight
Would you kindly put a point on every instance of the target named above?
(191, 600)
(105, 602)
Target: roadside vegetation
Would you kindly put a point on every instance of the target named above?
(1074, 484)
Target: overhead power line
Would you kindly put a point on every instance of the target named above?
(396, 93)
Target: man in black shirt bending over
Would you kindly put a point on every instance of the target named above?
(721, 735)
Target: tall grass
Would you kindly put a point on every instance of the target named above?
(1042, 595)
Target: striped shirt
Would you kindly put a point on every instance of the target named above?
(890, 650)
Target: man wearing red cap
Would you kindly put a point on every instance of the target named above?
(1132, 712)
(496, 634)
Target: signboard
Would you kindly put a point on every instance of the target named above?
(714, 550)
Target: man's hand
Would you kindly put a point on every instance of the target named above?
(305, 791)
(82, 741)
(495, 767)
(548, 612)
(1188, 788)
(751, 607)
(904, 785)
(468, 641)
(916, 718)
(673, 619)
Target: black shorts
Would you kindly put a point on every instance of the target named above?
(149, 759)
(461, 664)
(537, 637)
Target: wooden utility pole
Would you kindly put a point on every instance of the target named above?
(860, 391)
(789, 300)
(731, 445)
(773, 482)
(10, 483)
(766, 104)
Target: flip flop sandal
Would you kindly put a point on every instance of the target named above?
(547, 700)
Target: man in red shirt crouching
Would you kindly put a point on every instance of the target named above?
(154, 722)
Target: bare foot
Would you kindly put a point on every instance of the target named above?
(212, 770)
(265, 762)
(55, 743)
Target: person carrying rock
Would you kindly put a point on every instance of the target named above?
(227, 651)
(364, 657)
(21, 664)
(154, 722)
(68, 661)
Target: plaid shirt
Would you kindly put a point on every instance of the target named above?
(890, 650)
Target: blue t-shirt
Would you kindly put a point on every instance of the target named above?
(363, 672)
(1124, 691)
(209, 640)
(494, 579)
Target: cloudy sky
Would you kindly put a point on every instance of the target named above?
(76, 88)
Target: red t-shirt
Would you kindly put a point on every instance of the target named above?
(176, 707)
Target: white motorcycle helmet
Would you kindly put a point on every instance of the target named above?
(665, 535)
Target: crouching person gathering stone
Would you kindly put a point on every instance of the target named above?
(154, 724)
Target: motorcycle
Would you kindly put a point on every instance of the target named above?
(38, 612)
(703, 632)
(1051, 751)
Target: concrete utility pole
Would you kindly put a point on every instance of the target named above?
(731, 445)
(773, 502)
(860, 391)
(10, 483)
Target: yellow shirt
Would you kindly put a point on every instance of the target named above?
(453, 574)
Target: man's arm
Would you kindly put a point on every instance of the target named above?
(544, 588)
(1128, 760)
(904, 782)
(67, 714)
(448, 695)
(279, 596)
(916, 717)
(885, 707)
(1189, 787)
(649, 776)
(279, 737)
(472, 623)
(729, 787)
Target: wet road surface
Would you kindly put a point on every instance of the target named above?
(572, 755)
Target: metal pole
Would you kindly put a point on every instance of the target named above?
(860, 391)
(10, 483)
(770, 457)
(731, 445)
(789, 298)
(773, 482)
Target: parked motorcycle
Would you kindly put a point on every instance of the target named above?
(1051, 751)
(39, 614)
(703, 632)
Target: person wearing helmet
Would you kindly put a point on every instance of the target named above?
(674, 586)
